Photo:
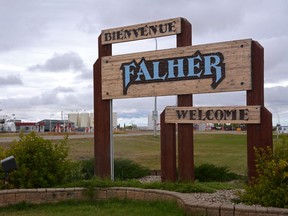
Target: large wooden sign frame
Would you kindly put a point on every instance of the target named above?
(185, 70)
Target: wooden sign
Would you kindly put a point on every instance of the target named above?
(218, 67)
(231, 114)
(141, 31)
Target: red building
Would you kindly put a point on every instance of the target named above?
(30, 126)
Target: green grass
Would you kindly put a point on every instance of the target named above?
(103, 208)
(144, 150)
(81, 149)
(228, 150)
(219, 149)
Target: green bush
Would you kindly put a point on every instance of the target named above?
(87, 168)
(2, 153)
(271, 186)
(41, 163)
(2, 156)
(73, 172)
(124, 169)
(127, 169)
(210, 172)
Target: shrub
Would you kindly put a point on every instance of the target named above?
(127, 169)
(40, 162)
(2, 153)
(2, 156)
(210, 172)
(73, 172)
(271, 186)
(124, 169)
(87, 168)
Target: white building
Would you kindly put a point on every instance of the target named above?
(86, 120)
(9, 125)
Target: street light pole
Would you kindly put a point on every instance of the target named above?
(155, 116)
(155, 113)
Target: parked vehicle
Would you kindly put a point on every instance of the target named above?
(283, 129)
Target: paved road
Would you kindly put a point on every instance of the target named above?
(11, 138)
(91, 135)
(50, 137)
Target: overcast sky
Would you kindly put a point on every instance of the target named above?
(48, 48)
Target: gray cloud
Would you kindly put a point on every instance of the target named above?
(10, 80)
(67, 62)
(276, 63)
(61, 62)
(56, 98)
(86, 74)
(19, 27)
(50, 98)
(276, 98)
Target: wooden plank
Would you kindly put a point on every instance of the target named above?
(258, 136)
(168, 150)
(237, 77)
(102, 123)
(142, 31)
(185, 131)
(220, 114)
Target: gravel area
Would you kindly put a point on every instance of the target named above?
(220, 196)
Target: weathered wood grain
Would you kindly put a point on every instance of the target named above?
(237, 59)
(141, 31)
(218, 114)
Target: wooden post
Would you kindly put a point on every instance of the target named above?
(258, 135)
(185, 131)
(168, 150)
(102, 118)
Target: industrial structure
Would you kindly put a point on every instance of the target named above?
(85, 121)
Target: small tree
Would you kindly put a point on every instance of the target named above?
(40, 162)
(271, 186)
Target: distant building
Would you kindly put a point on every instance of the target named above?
(2, 121)
(9, 125)
(202, 126)
(282, 129)
(29, 127)
(85, 121)
(54, 125)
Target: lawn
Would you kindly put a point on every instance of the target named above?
(219, 149)
(216, 148)
(103, 208)
(222, 150)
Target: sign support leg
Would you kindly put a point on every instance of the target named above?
(258, 135)
(185, 131)
(168, 150)
(103, 136)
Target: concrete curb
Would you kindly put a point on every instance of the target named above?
(186, 201)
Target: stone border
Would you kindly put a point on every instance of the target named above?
(186, 201)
